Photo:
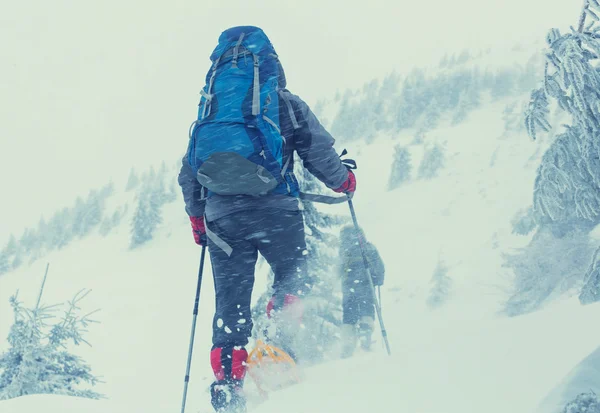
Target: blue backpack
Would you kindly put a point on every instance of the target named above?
(236, 145)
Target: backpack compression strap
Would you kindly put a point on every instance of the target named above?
(208, 95)
(235, 52)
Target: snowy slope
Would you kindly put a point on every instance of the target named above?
(585, 376)
(439, 364)
(462, 357)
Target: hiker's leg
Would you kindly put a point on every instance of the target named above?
(349, 318)
(280, 239)
(364, 297)
(350, 314)
(366, 312)
(233, 260)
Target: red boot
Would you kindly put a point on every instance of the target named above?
(229, 367)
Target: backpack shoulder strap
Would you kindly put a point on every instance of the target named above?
(283, 93)
(256, 87)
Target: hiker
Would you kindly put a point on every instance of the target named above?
(241, 194)
(358, 300)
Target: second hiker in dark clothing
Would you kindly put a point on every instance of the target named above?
(358, 301)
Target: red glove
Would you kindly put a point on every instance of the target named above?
(349, 186)
(199, 230)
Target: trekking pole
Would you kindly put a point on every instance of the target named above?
(196, 302)
(366, 264)
(380, 305)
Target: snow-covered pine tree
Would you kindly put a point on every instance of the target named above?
(343, 121)
(152, 195)
(463, 57)
(132, 181)
(360, 114)
(11, 246)
(502, 84)
(387, 91)
(414, 97)
(441, 286)
(156, 200)
(7, 255)
(37, 242)
(43, 230)
(112, 221)
(590, 292)
(444, 61)
(374, 108)
(28, 242)
(165, 180)
(78, 217)
(418, 139)
(567, 186)
(431, 116)
(141, 226)
(4, 262)
(551, 264)
(59, 229)
(37, 361)
(173, 193)
(433, 160)
(21, 251)
(469, 97)
(583, 403)
(401, 167)
(106, 225)
(148, 214)
(94, 209)
(163, 170)
(17, 260)
(569, 177)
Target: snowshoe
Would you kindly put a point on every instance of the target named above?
(271, 368)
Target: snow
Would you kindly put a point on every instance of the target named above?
(54, 403)
(462, 357)
(442, 364)
(584, 376)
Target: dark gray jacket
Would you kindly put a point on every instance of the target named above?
(305, 135)
(353, 268)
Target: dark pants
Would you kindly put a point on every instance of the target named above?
(279, 236)
(357, 300)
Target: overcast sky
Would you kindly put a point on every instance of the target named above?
(91, 88)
